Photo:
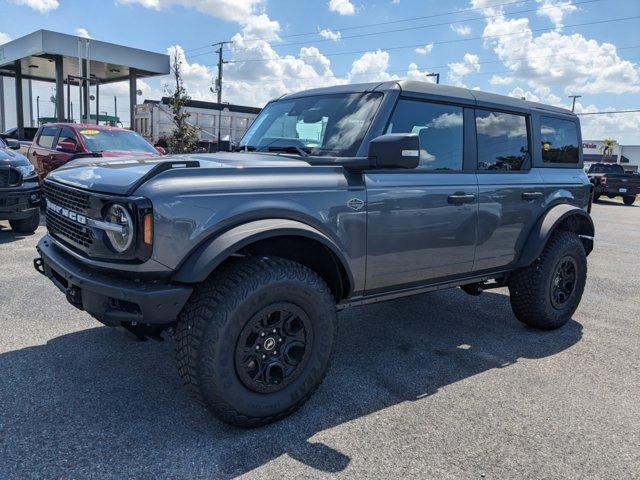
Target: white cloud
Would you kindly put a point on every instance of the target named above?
(498, 80)
(395, 2)
(555, 10)
(42, 6)
(552, 59)
(424, 50)
(4, 37)
(342, 7)
(83, 32)
(230, 10)
(461, 29)
(329, 34)
(371, 67)
(458, 70)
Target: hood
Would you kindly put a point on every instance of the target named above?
(12, 158)
(120, 176)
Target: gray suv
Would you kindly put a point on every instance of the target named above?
(336, 197)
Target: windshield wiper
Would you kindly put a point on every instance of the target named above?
(303, 152)
(245, 148)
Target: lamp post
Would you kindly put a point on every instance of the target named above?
(437, 75)
(573, 104)
(38, 110)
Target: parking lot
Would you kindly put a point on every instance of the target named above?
(442, 385)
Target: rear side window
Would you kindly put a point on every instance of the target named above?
(440, 128)
(559, 140)
(503, 141)
(47, 136)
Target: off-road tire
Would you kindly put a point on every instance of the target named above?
(530, 287)
(26, 225)
(629, 199)
(211, 323)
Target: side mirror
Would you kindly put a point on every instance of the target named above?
(13, 144)
(67, 146)
(395, 150)
(161, 151)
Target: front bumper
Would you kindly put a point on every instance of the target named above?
(20, 202)
(111, 299)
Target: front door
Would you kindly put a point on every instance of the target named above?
(422, 222)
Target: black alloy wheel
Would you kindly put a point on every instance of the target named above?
(273, 348)
(563, 282)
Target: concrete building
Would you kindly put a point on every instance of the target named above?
(626, 155)
(68, 62)
(153, 120)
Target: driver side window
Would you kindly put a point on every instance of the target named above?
(441, 131)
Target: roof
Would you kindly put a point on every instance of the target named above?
(83, 126)
(109, 62)
(210, 105)
(436, 91)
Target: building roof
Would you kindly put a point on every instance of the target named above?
(109, 62)
(444, 92)
(211, 105)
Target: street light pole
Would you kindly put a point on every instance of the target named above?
(38, 110)
(437, 75)
(573, 104)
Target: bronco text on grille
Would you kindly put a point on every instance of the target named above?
(65, 212)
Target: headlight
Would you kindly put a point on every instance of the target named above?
(120, 238)
(26, 170)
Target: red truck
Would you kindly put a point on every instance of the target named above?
(57, 143)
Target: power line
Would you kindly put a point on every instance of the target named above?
(435, 67)
(609, 113)
(401, 47)
(419, 27)
(354, 27)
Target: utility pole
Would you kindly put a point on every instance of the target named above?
(38, 110)
(573, 105)
(220, 46)
(437, 75)
(115, 107)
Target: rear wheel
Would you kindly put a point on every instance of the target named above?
(629, 199)
(546, 293)
(26, 225)
(255, 340)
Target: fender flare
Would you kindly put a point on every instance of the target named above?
(548, 223)
(209, 255)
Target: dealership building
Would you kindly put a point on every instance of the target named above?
(626, 155)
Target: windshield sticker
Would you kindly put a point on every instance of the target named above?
(89, 132)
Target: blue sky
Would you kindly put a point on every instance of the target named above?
(541, 49)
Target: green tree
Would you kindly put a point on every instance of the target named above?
(184, 138)
(607, 147)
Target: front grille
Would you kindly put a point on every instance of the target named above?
(10, 177)
(62, 226)
(66, 197)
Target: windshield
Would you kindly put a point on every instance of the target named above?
(115, 140)
(323, 125)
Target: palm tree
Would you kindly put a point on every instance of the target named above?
(607, 147)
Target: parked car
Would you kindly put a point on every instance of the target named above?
(339, 196)
(19, 189)
(25, 141)
(611, 180)
(57, 143)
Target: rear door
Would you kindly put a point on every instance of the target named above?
(422, 222)
(511, 192)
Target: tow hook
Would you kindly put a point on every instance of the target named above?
(38, 264)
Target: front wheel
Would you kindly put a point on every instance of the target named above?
(546, 293)
(255, 340)
(26, 225)
(629, 199)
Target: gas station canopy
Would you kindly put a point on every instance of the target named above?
(70, 60)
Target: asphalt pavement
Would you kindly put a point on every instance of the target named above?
(441, 385)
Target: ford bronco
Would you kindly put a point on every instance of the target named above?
(336, 197)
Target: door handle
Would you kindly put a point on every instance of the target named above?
(528, 196)
(460, 198)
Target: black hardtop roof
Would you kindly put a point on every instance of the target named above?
(434, 91)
